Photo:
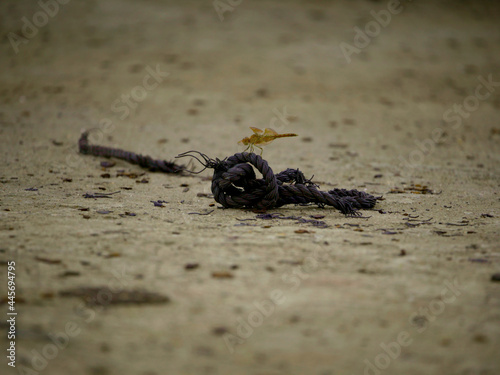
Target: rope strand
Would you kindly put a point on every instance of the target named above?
(133, 158)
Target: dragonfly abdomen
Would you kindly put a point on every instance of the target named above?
(285, 135)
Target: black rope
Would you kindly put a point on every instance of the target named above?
(143, 161)
(234, 185)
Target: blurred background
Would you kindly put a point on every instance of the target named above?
(296, 66)
(381, 93)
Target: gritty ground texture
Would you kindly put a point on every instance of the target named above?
(126, 287)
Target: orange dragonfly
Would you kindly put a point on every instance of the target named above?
(262, 138)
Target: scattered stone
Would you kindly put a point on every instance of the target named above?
(495, 277)
(219, 331)
(69, 274)
(107, 164)
(222, 275)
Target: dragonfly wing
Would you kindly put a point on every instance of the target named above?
(268, 136)
(270, 131)
(264, 141)
(256, 130)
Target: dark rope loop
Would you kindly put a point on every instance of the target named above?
(241, 175)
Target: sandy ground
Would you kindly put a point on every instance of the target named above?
(406, 289)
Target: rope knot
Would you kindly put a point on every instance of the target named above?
(235, 185)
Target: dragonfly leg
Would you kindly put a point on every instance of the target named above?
(261, 149)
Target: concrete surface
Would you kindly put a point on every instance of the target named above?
(406, 290)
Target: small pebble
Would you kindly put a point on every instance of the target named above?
(219, 331)
(495, 277)
(222, 275)
(107, 164)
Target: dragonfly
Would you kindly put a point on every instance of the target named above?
(262, 138)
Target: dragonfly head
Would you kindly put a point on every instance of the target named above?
(245, 141)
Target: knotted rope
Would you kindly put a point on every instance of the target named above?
(235, 185)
